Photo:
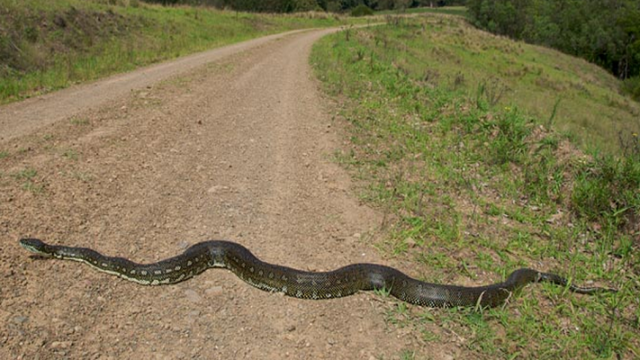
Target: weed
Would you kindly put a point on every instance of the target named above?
(382, 292)
(606, 190)
(32, 187)
(554, 112)
(510, 131)
(26, 174)
(80, 121)
(70, 154)
(458, 81)
(4, 154)
(408, 355)
(82, 176)
(490, 93)
(630, 144)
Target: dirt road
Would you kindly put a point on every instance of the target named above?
(238, 149)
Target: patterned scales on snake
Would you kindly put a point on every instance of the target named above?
(302, 284)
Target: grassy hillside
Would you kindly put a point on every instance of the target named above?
(564, 92)
(454, 134)
(451, 10)
(47, 45)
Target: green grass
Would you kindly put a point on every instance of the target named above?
(79, 121)
(473, 184)
(563, 92)
(70, 154)
(26, 174)
(451, 10)
(48, 45)
(28, 182)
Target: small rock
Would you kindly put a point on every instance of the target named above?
(61, 344)
(357, 235)
(192, 296)
(20, 319)
(216, 188)
(213, 291)
(331, 341)
(291, 328)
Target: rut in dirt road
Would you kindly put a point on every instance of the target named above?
(239, 149)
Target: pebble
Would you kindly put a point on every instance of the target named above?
(61, 344)
(192, 296)
(20, 319)
(217, 188)
(213, 291)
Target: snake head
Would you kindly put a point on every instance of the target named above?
(35, 246)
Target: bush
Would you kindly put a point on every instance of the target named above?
(631, 86)
(606, 189)
(361, 10)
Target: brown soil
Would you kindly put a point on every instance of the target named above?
(237, 149)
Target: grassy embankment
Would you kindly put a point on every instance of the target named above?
(48, 45)
(461, 138)
(451, 10)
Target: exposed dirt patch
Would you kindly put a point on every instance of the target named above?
(239, 149)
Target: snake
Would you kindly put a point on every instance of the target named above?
(338, 283)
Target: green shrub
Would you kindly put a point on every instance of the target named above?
(510, 130)
(631, 86)
(606, 189)
(361, 10)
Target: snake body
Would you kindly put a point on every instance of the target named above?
(302, 284)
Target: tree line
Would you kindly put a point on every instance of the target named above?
(605, 32)
(280, 6)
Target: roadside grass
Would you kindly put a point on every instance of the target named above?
(564, 93)
(48, 45)
(451, 10)
(474, 184)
